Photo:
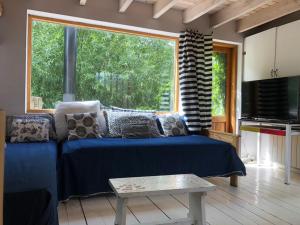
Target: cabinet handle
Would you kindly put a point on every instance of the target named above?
(272, 73)
(276, 72)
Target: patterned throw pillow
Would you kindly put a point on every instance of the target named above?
(135, 131)
(172, 125)
(64, 108)
(117, 120)
(40, 116)
(29, 130)
(82, 125)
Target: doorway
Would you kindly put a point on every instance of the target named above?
(224, 87)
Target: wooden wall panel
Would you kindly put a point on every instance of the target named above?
(248, 144)
(279, 149)
(272, 147)
(298, 153)
(266, 144)
(294, 151)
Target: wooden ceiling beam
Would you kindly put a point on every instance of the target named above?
(82, 2)
(200, 9)
(162, 6)
(234, 11)
(280, 9)
(124, 4)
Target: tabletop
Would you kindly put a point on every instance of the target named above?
(159, 185)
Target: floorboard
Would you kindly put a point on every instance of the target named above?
(130, 217)
(145, 211)
(239, 208)
(98, 211)
(75, 213)
(170, 206)
(62, 214)
(261, 199)
(213, 215)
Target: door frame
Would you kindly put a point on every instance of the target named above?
(231, 84)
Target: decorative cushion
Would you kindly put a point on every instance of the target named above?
(116, 120)
(82, 125)
(41, 116)
(118, 109)
(172, 125)
(64, 108)
(30, 130)
(135, 131)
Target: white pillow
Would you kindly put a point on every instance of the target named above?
(64, 108)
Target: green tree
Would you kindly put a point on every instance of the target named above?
(117, 69)
(219, 84)
(47, 62)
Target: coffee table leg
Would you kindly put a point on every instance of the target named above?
(121, 211)
(197, 208)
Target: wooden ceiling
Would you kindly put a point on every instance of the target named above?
(247, 13)
(185, 4)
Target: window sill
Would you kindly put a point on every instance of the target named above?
(40, 111)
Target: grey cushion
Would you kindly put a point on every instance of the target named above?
(172, 125)
(135, 131)
(118, 119)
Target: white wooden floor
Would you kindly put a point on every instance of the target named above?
(262, 198)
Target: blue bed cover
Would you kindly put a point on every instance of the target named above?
(86, 165)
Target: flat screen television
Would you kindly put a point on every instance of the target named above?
(272, 99)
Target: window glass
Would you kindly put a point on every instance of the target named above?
(47, 67)
(123, 70)
(219, 84)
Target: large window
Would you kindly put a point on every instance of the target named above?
(117, 67)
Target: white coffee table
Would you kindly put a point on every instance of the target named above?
(197, 188)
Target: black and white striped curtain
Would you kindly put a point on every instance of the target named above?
(195, 74)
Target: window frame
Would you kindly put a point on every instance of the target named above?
(32, 18)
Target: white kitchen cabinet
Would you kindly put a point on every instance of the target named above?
(288, 50)
(259, 56)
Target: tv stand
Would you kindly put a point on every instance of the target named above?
(286, 130)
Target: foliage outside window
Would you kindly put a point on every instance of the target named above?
(47, 66)
(219, 84)
(123, 70)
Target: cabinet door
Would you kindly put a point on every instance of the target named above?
(260, 55)
(288, 50)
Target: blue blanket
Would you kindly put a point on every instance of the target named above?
(30, 167)
(29, 208)
(88, 164)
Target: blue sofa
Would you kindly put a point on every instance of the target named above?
(57, 172)
(31, 167)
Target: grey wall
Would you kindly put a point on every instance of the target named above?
(13, 35)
